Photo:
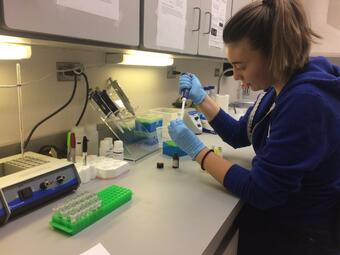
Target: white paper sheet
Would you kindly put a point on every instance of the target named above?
(171, 23)
(104, 8)
(96, 250)
(218, 10)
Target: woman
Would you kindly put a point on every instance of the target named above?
(292, 190)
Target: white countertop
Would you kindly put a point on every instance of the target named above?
(172, 211)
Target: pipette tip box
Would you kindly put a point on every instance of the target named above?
(170, 148)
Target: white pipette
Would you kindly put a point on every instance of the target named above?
(185, 95)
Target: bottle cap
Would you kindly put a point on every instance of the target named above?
(175, 156)
(109, 139)
(118, 146)
(160, 165)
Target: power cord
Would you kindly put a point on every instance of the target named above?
(78, 70)
(227, 72)
(86, 98)
(54, 113)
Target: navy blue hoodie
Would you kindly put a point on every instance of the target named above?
(295, 174)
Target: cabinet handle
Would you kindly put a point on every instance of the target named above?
(209, 22)
(199, 19)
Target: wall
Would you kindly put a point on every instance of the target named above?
(147, 88)
(325, 21)
(335, 61)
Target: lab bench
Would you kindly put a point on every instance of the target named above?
(172, 211)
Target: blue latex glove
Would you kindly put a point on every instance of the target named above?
(191, 82)
(185, 138)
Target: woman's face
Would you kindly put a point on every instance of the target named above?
(250, 66)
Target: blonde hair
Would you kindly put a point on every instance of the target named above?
(279, 29)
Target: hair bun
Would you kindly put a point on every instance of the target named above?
(268, 2)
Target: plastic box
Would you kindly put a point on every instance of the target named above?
(148, 122)
(170, 148)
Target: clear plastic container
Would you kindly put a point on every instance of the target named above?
(168, 114)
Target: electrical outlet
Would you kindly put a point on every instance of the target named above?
(67, 66)
(217, 72)
(170, 72)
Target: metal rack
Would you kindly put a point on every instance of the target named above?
(116, 112)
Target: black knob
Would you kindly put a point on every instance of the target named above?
(60, 179)
(25, 193)
(44, 185)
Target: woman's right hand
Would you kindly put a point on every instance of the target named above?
(193, 84)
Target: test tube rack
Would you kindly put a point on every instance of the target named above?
(86, 208)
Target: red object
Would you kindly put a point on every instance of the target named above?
(73, 140)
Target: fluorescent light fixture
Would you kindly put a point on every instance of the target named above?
(14, 51)
(12, 39)
(143, 58)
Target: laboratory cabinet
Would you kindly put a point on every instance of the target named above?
(192, 27)
(325, 20)
(97, 21)
(186, 26)
(159, 35)
(214, 16)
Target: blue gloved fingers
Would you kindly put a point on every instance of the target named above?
(185, 79)
(172, 123)
(175, 128)
(184, 83)
(186, 75)
(191, 82)
(175, 123)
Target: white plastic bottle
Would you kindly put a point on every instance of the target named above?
(92, 136)
(118, 150)
(106, 147)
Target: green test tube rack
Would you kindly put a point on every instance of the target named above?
(109, 199)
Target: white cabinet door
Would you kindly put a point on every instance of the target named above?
(151, 29)
(210, 39)
(325, 20)
(238, 5)
(95, 21)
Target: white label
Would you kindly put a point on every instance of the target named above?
(171, 23)
(218, 11)
(96, 250)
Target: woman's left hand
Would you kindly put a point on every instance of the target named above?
(185, 138)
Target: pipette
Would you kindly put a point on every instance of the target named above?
(185, 95)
